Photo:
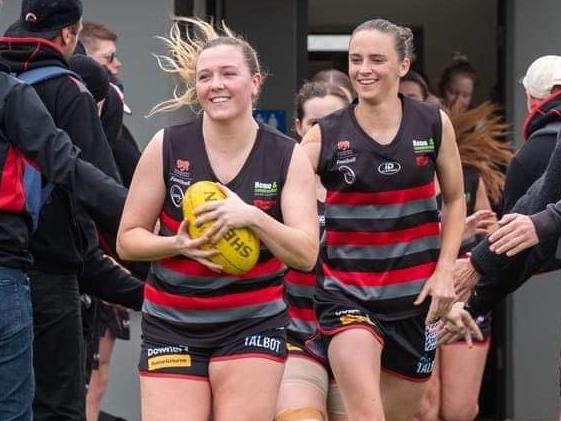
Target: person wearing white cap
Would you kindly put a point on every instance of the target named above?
(511, 255)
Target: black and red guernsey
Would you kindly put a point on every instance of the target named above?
(184, 299)
(382, 230)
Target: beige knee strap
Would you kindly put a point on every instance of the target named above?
(303, 414)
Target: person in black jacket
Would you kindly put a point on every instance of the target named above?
(530, 185)
(27, 132)
(46, 35)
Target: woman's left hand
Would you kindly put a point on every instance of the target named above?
(229, 213)
(440, 286)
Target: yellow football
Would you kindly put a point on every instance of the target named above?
(238, 249)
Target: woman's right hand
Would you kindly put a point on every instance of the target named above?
(189, 247)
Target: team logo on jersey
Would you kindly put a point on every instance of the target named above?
(422, 160)
(182, 165)
(176, 195)
(265, 195)
(343, 145)
(424, 365)
(389, 168)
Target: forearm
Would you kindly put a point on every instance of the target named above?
(139, 244)
(452, 227)
(294, 247)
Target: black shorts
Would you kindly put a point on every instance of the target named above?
(185, 361)
(408, 345)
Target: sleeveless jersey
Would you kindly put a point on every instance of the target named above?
(300, 288)
(184, 299)
(382, 230)
(471, 183)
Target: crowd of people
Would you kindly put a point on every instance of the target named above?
(376, 226)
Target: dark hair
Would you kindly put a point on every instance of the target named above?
(403, 35)
(314, 89)
(413, 76)
(459, 65)
(336, 77)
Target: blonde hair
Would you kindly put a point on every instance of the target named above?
(184, 54)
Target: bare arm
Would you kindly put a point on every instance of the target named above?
(311, 143)
(448, 167)
(136, 239)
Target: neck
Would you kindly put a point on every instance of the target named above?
(383, 112)
(229, 135)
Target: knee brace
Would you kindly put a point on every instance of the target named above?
(302, 414)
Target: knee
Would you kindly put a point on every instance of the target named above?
(464, 411)
(301, 414)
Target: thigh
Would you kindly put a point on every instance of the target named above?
(461, 375)
(407, 362)
(245, 389)
(335, 405)
(429, 407)
(303, 387)
(106, 345)
(245, 376)
(401, 396)
(355, 358)
(174, 399)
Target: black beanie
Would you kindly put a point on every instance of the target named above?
(92, 73)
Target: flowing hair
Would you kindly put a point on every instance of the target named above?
(184, 49)
(479, 133)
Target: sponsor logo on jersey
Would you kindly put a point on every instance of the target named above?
(168, 357)
(348, 173)
(349, 319)
(423, 146)
(176, 194)
(265, 342)
(389, 168)
(265, 195)
(424, 365)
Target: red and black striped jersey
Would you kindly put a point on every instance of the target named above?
(382, 235)
(300, 288)
(186, 297)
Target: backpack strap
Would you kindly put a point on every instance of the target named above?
(41, 74)
(37, 194)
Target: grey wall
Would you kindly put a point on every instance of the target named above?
(451, 25)
(272, 29)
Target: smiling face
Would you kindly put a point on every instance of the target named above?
(374, 65)
(224, 85)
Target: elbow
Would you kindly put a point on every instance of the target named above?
(122, 249)
(307, 260)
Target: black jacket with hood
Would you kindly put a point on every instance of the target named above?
(533, 181)
(59, 243)
(27, 132)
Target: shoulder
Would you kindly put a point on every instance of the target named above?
(182, 132)
(423, 109)
(335, 119)
(276, 140)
